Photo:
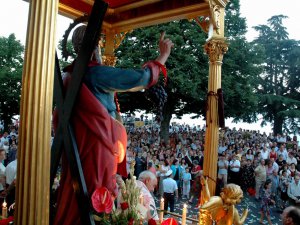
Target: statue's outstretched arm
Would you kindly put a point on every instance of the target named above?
(205, 190)
(236, 217)
(213, 204)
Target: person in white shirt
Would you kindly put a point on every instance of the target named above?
(11, 172)
(294, 190)
(235, 166)
(222, 148)
(291, 159)
(265, 153)
(10, 175)
(170, 191)
(283, 151)
(147, 182)
(2, 170)
(4, 138)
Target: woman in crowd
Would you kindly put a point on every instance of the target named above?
(247, 175)
(223, 169)
(269, 168)
(284, 181)
(196, 185)
(186, 183)
(177, 172)
(273, 153)
(280, 161)
(266, 200)
(250, 155)
(292, 170)
(163, 169)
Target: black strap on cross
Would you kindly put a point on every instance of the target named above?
(64, 136)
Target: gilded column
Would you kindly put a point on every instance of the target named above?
(215, 48)
(112, 42)
(33, 176)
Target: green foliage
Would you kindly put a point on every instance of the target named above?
(188, 67)
(11, 63)
(65, 62)
(279, 87)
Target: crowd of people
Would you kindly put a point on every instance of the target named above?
(266, 167)
(8, 165)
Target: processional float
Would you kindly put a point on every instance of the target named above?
(114, 18)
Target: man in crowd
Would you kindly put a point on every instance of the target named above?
(260, 177)
(147, 182)
(294, 191)
(291, 216)
(170, 191)
(235, 166)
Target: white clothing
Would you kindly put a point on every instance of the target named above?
(275, 166)
(11, 172)
(221, 149)
(235, 163)
(2, 175)
(294, 190)
(148, 202)
(222, 163)
(290, 160)
(165, 169)
(264, 154)
(170, 185)
(283, 153)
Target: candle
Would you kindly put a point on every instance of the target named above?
(142, 199)
(162, 207)
(4, 210)
(183, 221)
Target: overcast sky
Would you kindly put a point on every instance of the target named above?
(14, 13)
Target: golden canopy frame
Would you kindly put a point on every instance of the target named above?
(32, 188)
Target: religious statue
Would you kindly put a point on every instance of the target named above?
(221, 209)
(100, 137)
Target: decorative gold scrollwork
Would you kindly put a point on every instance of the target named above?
(203, 22)
(109, 60)
(215, 12)
(215, 49)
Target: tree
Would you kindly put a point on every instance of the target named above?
(279, 86)
(240, 68)
(188, 68)
(11, 63)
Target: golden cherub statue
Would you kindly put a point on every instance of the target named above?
(221, 209)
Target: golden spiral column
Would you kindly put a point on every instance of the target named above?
(33, 176)
(215, 48)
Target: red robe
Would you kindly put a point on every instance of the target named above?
(102, 143)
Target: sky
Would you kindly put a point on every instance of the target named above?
(14, 14)
(255, 11)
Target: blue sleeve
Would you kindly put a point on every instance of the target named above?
(108, 79)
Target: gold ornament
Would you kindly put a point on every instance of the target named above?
(221, 209)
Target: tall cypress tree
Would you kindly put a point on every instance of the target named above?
(279, 86)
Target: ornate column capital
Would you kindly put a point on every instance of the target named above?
(109, 60)
(215, 49)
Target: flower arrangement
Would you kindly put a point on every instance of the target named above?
(129, 211)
